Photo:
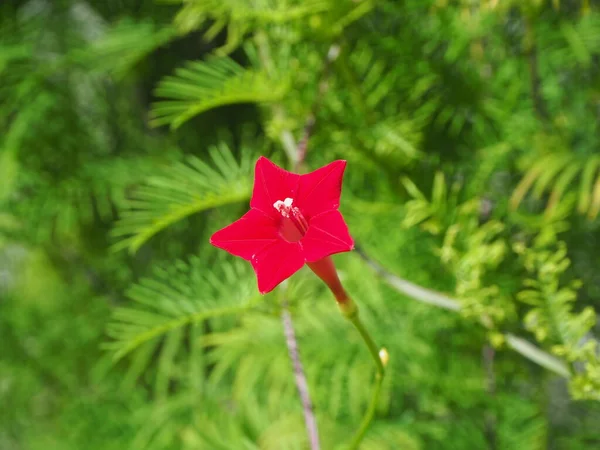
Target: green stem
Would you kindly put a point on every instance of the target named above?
(368, 417)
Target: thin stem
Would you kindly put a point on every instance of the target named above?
(323, 86)
(358, 437)
(368, 417)
(301, 383)
(355, 319)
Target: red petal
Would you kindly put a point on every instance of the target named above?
(271, 183)
(247, 236)
(327, 234)
(320, 191)
(275, 263)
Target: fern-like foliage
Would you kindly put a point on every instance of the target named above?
(406, 91)
(552, 317)
(382, 130)
(555, 173)
(560, 165)
(242, 17)
(471, 251)
(431, 214)
(474, 253)
(171, 304)
(194, 12)
(196, 420)
(203, 85)
(123, 46)
(182, 189)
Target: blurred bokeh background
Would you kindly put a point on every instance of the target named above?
(129, 130)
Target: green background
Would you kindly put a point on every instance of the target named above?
(129, 131)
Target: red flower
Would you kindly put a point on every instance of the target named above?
(293, 219)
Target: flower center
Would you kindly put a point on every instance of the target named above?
(293, 225)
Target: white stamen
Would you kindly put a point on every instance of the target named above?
(284, 207)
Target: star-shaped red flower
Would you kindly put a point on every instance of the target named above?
(293, 219)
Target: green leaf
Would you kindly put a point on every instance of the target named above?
(124, 46)
(175, 298)
(412, 189)
(587, 180)
(197, 12)
(577, 44)
(563, 182)
(552, 166)
(181, 190)
(200, 86)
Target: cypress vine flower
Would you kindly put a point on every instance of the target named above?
(293, 220)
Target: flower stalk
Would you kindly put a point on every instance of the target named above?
(325, 269)
(380, 358)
